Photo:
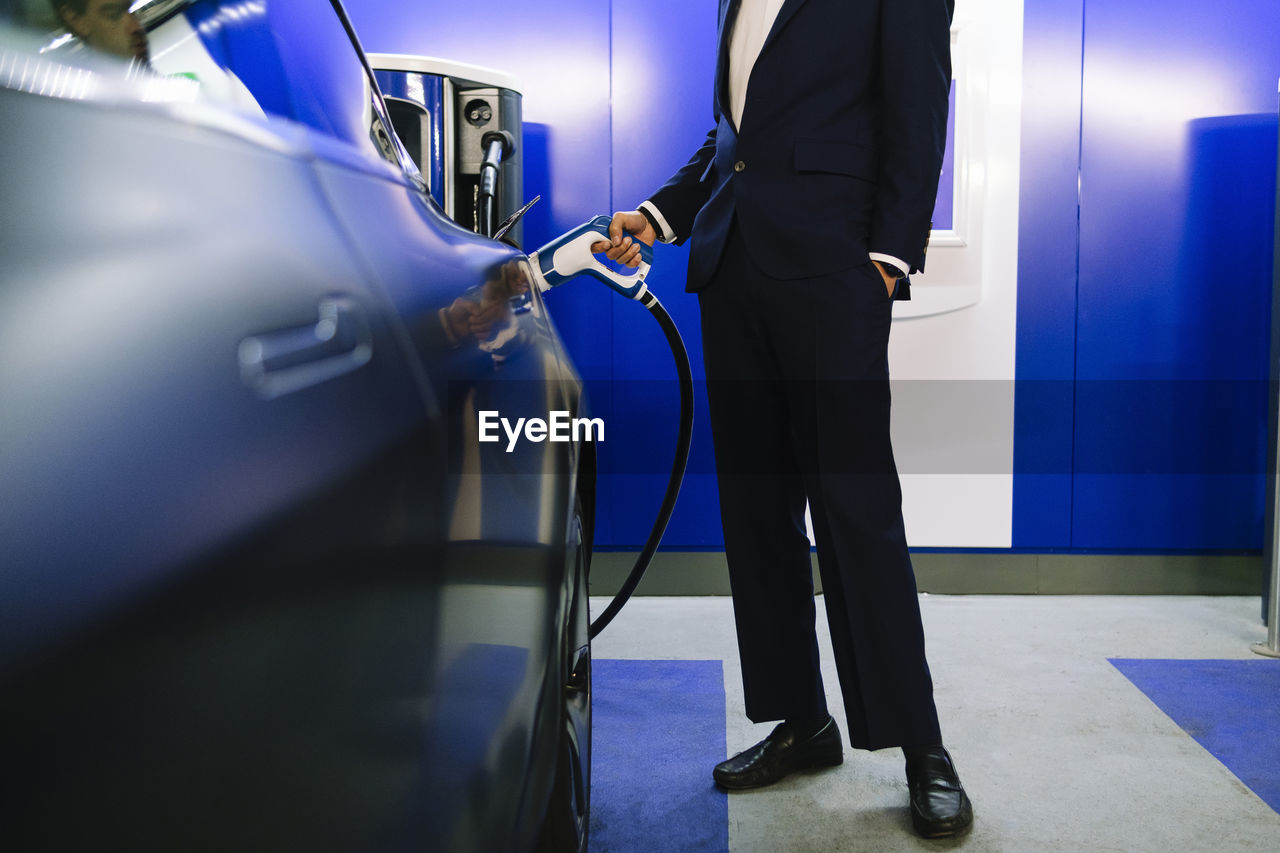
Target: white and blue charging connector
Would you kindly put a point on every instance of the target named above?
(569, 255)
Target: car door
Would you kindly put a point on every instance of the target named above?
(219, 485)
(494, 689)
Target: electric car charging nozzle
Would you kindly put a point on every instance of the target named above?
(570, 255)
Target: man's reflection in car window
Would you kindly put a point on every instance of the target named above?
(106, 25)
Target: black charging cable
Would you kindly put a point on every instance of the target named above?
(678, 464)
(498, 145)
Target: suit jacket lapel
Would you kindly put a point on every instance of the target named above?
(789, 8)
(728, 13)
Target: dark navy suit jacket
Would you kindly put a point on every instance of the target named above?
(841, 143)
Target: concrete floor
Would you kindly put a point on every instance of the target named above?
(1056, 748)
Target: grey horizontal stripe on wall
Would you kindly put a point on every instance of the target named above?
(705, 573)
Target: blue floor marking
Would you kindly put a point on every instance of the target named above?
(657, 730)
(1230, 707)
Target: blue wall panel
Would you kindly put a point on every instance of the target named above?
(663, 66)
(1053, 31)
(1177, 205)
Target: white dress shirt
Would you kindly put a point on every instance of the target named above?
(755, 19)
(750, 28)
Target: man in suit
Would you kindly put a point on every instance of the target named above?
(807, 207)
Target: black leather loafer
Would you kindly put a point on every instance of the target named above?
(780, 754)
(939, 805)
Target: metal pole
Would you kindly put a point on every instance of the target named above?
(1271, 648)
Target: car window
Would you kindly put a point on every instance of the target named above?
(290, 59)
(203, 42)
(327, 81)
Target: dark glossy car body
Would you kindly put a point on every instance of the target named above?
(261, 587)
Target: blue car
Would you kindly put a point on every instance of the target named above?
(263, 586)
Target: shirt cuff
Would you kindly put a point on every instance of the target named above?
(665, 234)
(902, 266)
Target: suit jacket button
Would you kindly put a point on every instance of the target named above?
(739, 166)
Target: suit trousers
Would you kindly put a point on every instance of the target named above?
(798, 386)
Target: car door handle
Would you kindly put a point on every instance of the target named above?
(288, 360)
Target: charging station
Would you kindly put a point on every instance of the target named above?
(447, 114)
